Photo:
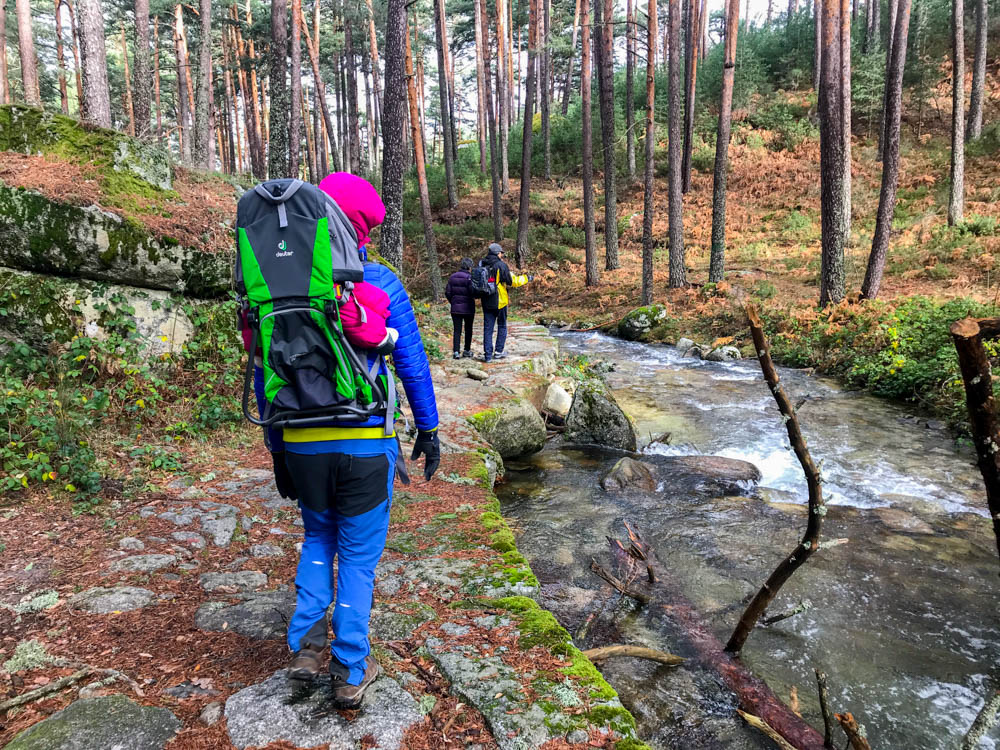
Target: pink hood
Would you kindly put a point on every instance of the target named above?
(358, 199)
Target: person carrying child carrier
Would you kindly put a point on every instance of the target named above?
(462, 299)
(310, 318)
(495, 302)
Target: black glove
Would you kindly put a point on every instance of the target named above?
(429, 445)
(282, 477)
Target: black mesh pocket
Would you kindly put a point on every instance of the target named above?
(300, 354)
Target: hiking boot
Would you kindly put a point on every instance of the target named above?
(467, 354)
(500, 355)
(306, 665)
(487, 358)
(456, 355)
(345, 695)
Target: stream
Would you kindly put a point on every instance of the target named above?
(903, 616)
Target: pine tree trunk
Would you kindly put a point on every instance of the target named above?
(4, 76)
(886, 89)
(630, 90)
(831, 158)
(445, 101)
(231, 115)
(430, 247)
(371, 138)
(503, 115)
(129, 112)
(481, 55)
(793, 8)
(568, 87)
(203, 110)
(586, 35)
(93, 62)
(546, 89)
(890, 162)
(818, 48)
(956, 199)
(183, 128)
(648, 204)
(975, 127)
(373, 51)
(491, 121)
(26, 49)
(717, 264)
(278, 119)
(690, 83)
(845, 104)
(606, 90)
(678, 277)
(338, 90)
(60, 60)
(248, 85)
(871, 7)
(310, 141)
(312, 48)
(352, 98)
(156, 80)
(141, 77)
(394, 106)
(76, 59)
(296, 124)
(524, 205)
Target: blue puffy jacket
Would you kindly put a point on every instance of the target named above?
(409, 361)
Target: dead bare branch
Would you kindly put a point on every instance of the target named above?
(798, 609)
(854, 731)
(757, 723)
(636, 652)
(639, 596)
(985, 719)
(817, 507)
(824, 707)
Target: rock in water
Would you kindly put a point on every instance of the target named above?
(715, 475)
(630, 473)
(557, 401)
(111, 722)
(683, 344)
(637, 324)
(595, 417)
(723, 354)
(514, 428)
(280, 709)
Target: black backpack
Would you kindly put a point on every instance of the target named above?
(480, 282)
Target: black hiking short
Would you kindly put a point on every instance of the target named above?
(346, 484)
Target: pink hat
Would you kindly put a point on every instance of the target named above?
(358, 199)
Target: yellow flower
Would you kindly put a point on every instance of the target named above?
(141, 404)
(70, 488)
(80, 358)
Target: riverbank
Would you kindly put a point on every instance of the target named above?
(184, 592)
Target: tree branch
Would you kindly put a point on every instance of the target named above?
(854, 731)
(637, 652)
(824, 707)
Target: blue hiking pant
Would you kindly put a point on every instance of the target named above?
(491, 318)
(357, 542)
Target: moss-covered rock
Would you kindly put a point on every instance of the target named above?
(514, 428)
(596, 418)
(637, 324)
(44, 236)
(121, 159)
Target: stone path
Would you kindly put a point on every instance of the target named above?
(466, 654)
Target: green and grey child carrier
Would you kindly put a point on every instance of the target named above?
(296, 262)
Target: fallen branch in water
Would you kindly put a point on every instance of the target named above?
(854, 731)
(798, 609)
(817, 507)
(753, 694)
(636, 652)
(824, 707)
(985, 719)
(757, 723)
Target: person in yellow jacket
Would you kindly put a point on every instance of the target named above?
(495, 305)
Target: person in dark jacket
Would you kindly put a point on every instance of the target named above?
(463, 307)
(495, 306)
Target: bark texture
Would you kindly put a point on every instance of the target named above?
(606, 92)
(393, 123)
(353, 127)
(296, 102)
(93, 64)
(278, 120)
(445, 100)
(524, 204)
(890, 158)
(648, 205)
(141, 71)
(587, 145)
(203, 107)
(26, 50)
(975, 127)
(678, 276)
(956, 196)
(492, 124)
(717, 262)
(690, 87)
(831, 158)
(629, 90)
